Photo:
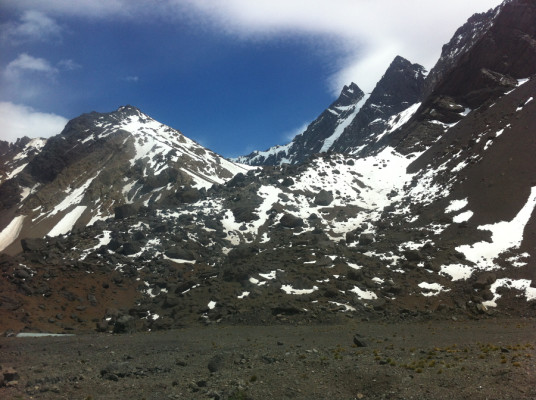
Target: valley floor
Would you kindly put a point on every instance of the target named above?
(476, 359)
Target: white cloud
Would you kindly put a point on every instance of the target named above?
(131, 78)
(17, 120)
(359, 37)
(288, 136)
(32, 26)
(68, 65)
(26, 63)
(364, 36)
(88, 8)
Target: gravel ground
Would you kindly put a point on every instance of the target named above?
(484, 359)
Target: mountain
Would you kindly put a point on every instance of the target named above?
(318, 137)
(100, 161)
(355, 120)
(393, 99)
(422, 207)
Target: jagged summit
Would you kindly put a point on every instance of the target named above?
(354, 121)
(399, 88)
(318, 137)
(350, 93)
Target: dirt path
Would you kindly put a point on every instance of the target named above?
(487, 359)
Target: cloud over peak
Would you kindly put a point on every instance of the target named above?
(18, 120)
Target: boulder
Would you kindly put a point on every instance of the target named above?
(413, 255)
(178, 253)
(125, 324)
(33, 244)
(290, 221)
(366, 239)
(125, 211)
(323, 198)
(484, 280)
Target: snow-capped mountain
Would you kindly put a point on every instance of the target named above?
(392, 101)
(318, 137)
(355, 120)
(99, 162)
(422, 205)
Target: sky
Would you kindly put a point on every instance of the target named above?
(234, 75)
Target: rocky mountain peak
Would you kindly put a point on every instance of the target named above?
(487, 54)
(319, 135)
(101, 161)
(400, 87)
(129, 110)
(349, 94)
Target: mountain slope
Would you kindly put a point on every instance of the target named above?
(99, 162)
(430, 216)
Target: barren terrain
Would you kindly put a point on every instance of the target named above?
(451, 359)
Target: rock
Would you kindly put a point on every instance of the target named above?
(484, 280)
(188, 195)
(487, 295)
(10, 374)
(92, 299)
(287, 182)
(125, 324)
(238, 180)
(102, 326)
(178, 253)
(286, 309)
(21, 274)
(116, 370)
(358, 341)
(413, 255)
(215, 363)
(33, 244)
(366, 239)
(323, 198)
(125, 211)
(171, 301)
(130, 248)
(112, 313)
(290, 221)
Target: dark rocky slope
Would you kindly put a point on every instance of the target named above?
(433, 217)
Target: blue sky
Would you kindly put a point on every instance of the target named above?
(235, 75)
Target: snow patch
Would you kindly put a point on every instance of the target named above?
(67, 222)
(457, 271)
(456, 205)
(288, 289)
(364, 294)
(464, 216)
(519, 284)
(432, 289)
(505, 235)
(11, 232)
